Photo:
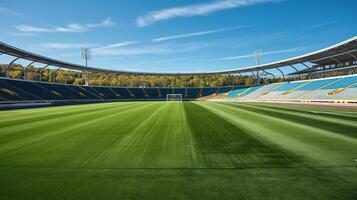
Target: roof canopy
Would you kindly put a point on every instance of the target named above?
(329, 55)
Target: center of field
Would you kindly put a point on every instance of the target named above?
(124, 146)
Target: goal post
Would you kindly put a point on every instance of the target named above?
(173, 97)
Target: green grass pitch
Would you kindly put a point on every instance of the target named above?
(190, 150)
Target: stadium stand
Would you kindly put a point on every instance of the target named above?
(337, 89)
(341, 89)
(16, 90)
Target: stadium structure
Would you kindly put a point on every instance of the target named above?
(294, 139)
(342, 89)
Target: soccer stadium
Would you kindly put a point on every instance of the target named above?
(273, 123)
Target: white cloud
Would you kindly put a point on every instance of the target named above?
(10, 12)
(133, 51)
(32, 29)
(187, 35)
(145, 50)
(264, 53)
(316, 26)
(60, 45)
(173, 60)
(116, 45)
(105, 23)
(195, 10)
(73, 27)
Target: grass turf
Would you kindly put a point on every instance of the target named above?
(191, 150)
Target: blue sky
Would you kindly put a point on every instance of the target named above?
(175, 35)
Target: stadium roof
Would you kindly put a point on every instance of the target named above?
(329, 55)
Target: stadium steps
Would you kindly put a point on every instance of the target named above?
(100, 94)
(245, 91)
(95, 92)
(229, 92)
(312, 91)
(186, 92)
(21, 90)
(56, 93)
(75, 91)
(200, 93)
(159, 92)
(217, 92)
(111, 90)
(44, 88)
(272, 89)
(90, 92)
(131, 94)
(145, 93)
(290, 91)
(339, 90)
(10, 92)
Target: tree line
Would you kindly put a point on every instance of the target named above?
(108, 79)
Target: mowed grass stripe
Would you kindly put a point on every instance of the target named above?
(24, 131)
(161, 140)
(331, 122)
(336, 128)
(37, 123)
(22, 116)
(223, 144)
(43, 139)
(342, 113)
(315, 145)
(337, 125)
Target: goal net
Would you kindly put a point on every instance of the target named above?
(173, 97)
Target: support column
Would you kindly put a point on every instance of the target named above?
(55, 74)
(253, 74)
(281, 72)
(306, 65)
(40, 78)
(269, 73)
(240, 75)
(292, 66)
(9, 66)
(25, 74)
(86, 78)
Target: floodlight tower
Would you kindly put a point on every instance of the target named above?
(258, 55)
(86, 55)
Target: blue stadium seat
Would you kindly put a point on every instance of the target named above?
(152, 92)
(313, 85)
(252, 89)
(208, 91)
(138, 92)
(289, 86)
(193, 92)
(180, 91)
(165, 91)
(343, 82)
(235, 92)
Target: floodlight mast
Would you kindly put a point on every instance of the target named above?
(86, 55)
(258, 55)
